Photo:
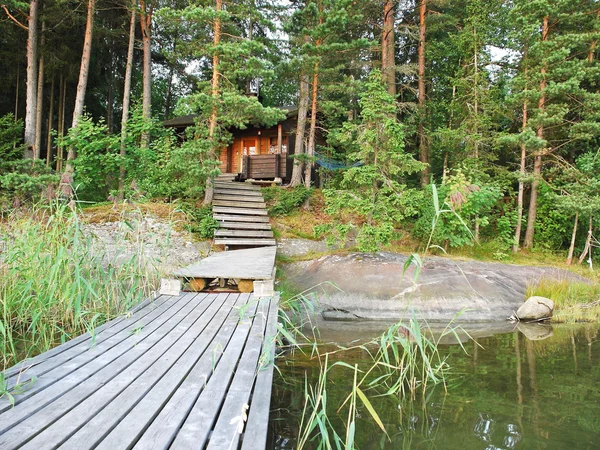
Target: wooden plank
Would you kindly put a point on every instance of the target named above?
(238, 218)
(243, 233)
(240, 204)
(245, 211)
(242, 192)
(75, 358)
(196, 428)
(136, 312)
(234, 185)
(241, 241)
(225, 433)
(240, 198)
(249, 264)
(255, 433)
(160, 425)
(27, 419)
(245, 226)
(103, 410)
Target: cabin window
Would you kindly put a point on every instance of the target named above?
(273, 144)
(249, 146)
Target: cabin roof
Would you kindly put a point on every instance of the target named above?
(189, 120)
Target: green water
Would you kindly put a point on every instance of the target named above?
(514, 393)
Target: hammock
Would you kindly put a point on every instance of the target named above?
(333, 164)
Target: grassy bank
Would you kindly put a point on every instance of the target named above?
(57, 282)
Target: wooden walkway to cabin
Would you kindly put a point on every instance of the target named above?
(177, 372)
(242, 214)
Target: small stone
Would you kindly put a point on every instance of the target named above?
(536, 308)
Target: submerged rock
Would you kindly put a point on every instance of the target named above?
(536, 308)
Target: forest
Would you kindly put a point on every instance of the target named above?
(459, 121)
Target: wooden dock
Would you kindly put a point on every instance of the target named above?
(177, 372)
(242, 214)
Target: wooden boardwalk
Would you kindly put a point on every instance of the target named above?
(177, 372)
(242, 214)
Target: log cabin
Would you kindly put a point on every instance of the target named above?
(260, 153)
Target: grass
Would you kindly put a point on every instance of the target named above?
(574, 301)
(57, 282)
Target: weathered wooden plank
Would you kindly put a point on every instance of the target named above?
(111, 345)
(238, 204)
(245, 226)
(236, 198)
(27, 419)
(240, 192)
(255, 433)
(244, 186)
(137, 312)
(244, 241)
(160, 425)
(244, 211)
(249, 264)
(241, 218)
(243, 233)
(196, 428)
(225, 433)
(103, 410)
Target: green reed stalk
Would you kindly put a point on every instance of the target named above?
(56, 282)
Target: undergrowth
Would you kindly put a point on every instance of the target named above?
(57, 282)
(281, 202)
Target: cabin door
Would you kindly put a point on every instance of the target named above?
(248, 148)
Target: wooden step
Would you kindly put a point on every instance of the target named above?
(245, 211)
(245, 225)
(242, 241)
(235, 185)
(238, 198)
(238, 218)
(243, 233)
(239, 204)
(240, 192)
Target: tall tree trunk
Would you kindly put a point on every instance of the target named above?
(537, 164)
(32, 74)
(423, 149)
(126, 100)
(169, 96)
(573, 237)
(588, 242)
(310, 151)
(50, 121)
(17, 93)
(146, 25)
(388, 53)
(300, 129)
(212, 125)
(84, 69)
(39, 115)
(522, 168)
(62, 95)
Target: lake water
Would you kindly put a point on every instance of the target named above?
(511, 392)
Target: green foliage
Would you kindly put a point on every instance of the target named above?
(202, 220)
(283, 201)
(374, 190)
(57, 282)
(470, 203)
(22, 179)
(97, 158)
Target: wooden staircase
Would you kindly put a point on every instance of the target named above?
(242, 214)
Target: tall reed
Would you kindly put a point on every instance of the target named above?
(57, 282)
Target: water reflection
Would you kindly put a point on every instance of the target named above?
(535, 388)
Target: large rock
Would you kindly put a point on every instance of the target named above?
(372, 286)
(536, 308)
